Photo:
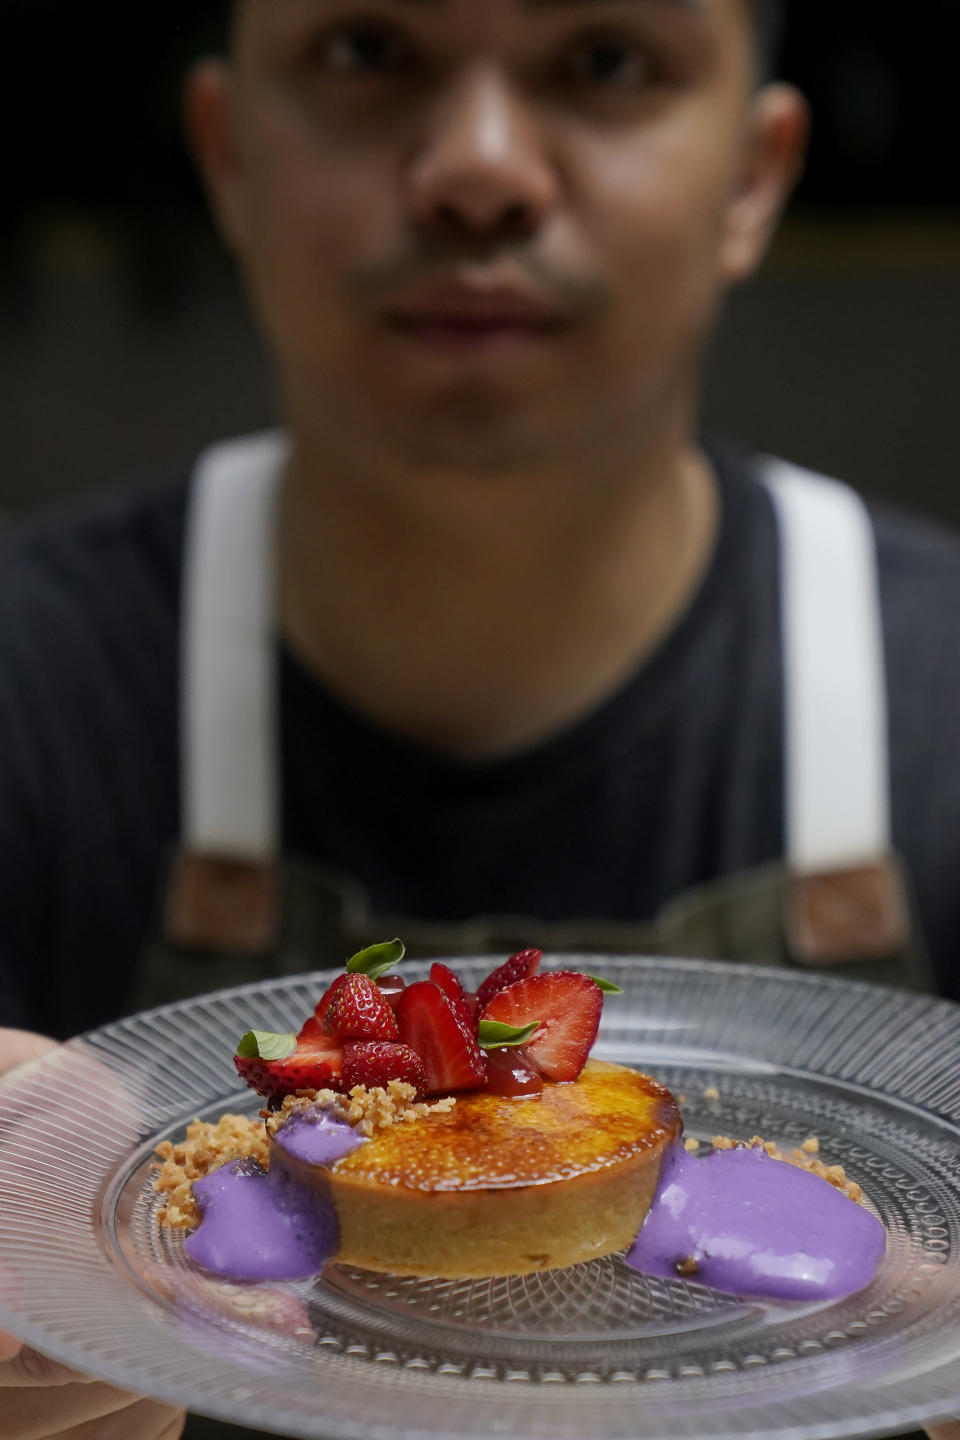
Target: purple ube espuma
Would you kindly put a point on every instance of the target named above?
(260, 1226)
(748, 1225)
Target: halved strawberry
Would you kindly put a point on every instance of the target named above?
(313, 1025)
(359, 1011)
(377, 1062)
(446, 1044)
(311, 1064)
(519, 967)
(449, 983)
(566, 1008)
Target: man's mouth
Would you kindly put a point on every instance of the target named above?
(458, 316)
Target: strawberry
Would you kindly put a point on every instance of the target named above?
(314, 1024)
(359, 1011)
(566, 1007)
(519, 967)
(277, 1065)
(312, 1029)
(377, 1062)
(449, 983)
(431, 1026)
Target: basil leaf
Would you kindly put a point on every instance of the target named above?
(376, 960)
(607, 986)
(494, 1036)
(265, 1045)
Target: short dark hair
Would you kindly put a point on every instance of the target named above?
(769, 16)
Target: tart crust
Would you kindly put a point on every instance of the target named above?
(502, 1186)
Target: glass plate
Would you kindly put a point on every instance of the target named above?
(87, 1275)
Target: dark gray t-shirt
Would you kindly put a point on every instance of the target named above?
(672, 782)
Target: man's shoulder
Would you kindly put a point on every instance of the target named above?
(122, 548)
(143, 523)
(911, 547)
(89, 587)
(919, 571)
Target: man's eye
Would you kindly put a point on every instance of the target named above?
(363, 49)
(610, 64)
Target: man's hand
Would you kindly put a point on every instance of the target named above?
(945, 1432)
(42, 1400)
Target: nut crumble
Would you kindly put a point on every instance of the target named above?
(207, 1146)
(804, 1158)
(367, 1110)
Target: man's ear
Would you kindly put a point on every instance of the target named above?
(774, 151)
(211, 124)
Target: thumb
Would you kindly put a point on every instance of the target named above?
(10, 1347)
(18, 1047)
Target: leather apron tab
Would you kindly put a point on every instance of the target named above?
(223, 904)
(860, 913)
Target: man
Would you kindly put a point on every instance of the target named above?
(529, 659)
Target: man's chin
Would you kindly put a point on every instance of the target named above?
(478, 442)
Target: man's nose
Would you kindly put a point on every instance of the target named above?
(482, 166)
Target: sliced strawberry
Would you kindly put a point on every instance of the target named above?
(449, 983)
(473, 1007)
(359, 1011)
(519, 967)
(566, 1007)
(377, 1062)
(312, 1029)
(431, 1026)
(315, 1064)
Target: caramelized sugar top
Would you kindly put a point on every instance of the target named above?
(491, 1142)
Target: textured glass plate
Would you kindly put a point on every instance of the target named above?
(594, 1351)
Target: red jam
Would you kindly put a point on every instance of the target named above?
(393, 987)
(508, 1073)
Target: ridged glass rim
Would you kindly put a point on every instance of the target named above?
(922, 1075)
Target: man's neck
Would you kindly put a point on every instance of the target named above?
(477, 618)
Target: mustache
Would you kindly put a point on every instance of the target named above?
(375, 282)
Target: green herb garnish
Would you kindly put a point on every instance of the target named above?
(265, 1045)
(607, 986)
(495, 1036)
(376, 960)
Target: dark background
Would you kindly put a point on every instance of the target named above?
(124, 344)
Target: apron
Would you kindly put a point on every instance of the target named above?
(235, 911)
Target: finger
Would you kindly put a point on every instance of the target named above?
(146, 1420)
(27, 1369)
(950, 1431)
(44, 1412)
(19, 1047)
(175, 1428)
(9, 1347)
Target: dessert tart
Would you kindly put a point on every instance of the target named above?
(497, 1185)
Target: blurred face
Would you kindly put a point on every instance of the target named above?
(490, 232)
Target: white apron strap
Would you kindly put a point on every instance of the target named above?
(223, 890)
(847, 897)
